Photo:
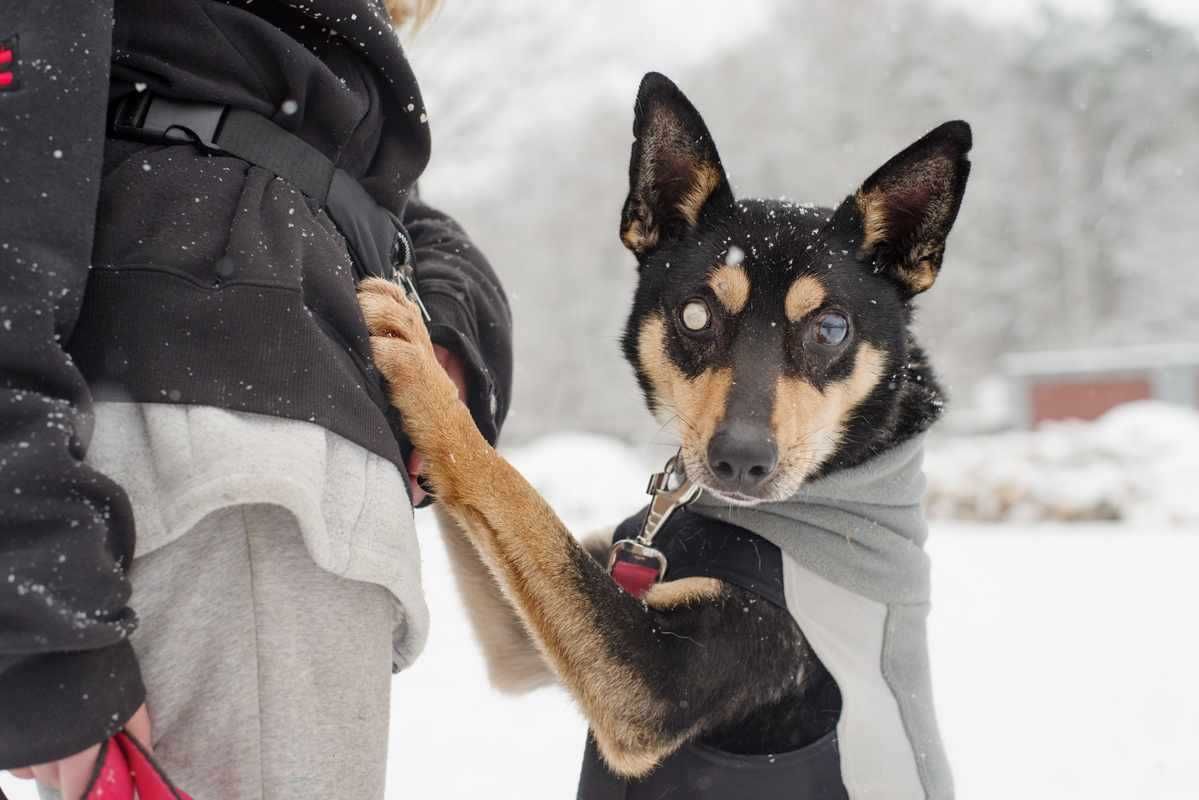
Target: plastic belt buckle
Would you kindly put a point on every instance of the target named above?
(157, 119)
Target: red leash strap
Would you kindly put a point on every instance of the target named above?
(125, 771)
(634, 567)
(634, 564)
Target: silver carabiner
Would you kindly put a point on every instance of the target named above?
(403, 273)
(405, 277)
(666, 498)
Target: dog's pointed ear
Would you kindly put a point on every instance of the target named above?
(675, 176)
(904, 211)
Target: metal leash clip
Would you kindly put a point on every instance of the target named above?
(404, 274)
(636, 564)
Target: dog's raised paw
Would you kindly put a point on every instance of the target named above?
(403, 352)
(389, 312)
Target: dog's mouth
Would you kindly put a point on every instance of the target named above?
(783, 484)
(698, 471)
(732, 498)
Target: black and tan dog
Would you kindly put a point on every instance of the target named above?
(777, 337)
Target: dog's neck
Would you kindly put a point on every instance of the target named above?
(884, 492)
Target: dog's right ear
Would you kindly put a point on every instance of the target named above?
(675, 176)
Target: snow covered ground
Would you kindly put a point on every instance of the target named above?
(1064, 659)
(1139, 463)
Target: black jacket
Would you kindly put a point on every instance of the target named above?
(212, 282)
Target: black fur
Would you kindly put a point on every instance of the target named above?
(730, 675)
(694, 660)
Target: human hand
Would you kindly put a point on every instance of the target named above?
(70, 775)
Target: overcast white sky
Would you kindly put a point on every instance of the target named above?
(1183, 11)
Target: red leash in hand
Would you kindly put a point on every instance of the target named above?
(125, 771)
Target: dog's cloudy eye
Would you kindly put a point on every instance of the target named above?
(695, 315)
(832, 327)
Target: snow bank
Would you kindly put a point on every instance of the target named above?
(1021, 635)
(1139, 463)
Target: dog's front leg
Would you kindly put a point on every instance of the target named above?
(649, 675)
(514, 664)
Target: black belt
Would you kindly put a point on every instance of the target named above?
(379, 245)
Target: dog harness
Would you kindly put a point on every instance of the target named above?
(845, 557)
(683, 544)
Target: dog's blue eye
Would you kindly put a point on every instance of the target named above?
(832, 328)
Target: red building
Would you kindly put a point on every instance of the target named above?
(1083, 384)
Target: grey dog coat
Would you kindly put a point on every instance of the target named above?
(856, 580)
(851, 570)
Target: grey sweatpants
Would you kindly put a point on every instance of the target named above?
(267, 676)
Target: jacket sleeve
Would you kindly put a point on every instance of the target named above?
(469, 311)
(68, 676)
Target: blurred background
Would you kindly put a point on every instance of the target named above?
(1064, 483)
(1069, 286)
(1078, 229)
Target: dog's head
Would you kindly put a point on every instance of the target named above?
(775, 336)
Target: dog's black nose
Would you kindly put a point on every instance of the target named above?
(742, 456)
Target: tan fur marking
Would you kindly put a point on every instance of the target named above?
(683, 592)
(804, 296)
(641, 235)
(808, 424)
(873, 208)
(924, 262)
(730, 284)
(416, 12)
(920, 277)
(639, 238)
(698, 403)
(921, 265)
(704, 181)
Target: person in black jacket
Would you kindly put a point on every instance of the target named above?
(181, 351)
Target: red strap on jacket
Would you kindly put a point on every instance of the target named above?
(126, 771)
(636, 579)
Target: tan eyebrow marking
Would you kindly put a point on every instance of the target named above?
(816, 419)
(805, 296)
(730, 284)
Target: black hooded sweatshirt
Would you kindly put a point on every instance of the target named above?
(159, 273)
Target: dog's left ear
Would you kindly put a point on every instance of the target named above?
(675, 176)
(905, 209)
